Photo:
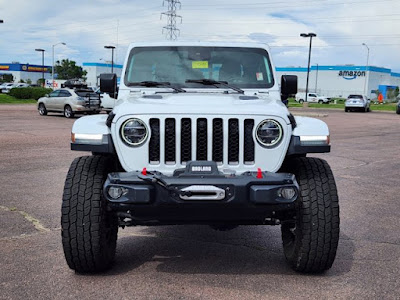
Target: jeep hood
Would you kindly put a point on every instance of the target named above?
(201, 104)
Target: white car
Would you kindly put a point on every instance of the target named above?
(7, 87)
(357, 102)
(69, 102)
(311, 98)
(107, 102)
(199, 135)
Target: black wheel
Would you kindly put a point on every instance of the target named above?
(68, 113)
(398, 110)
(346, 109)
(88, 230)
(368, 109)
(320, 101)
(42, 109)
(311, 238)
(301, 101)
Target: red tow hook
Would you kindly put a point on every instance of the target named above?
(144, 171)
(259, 173)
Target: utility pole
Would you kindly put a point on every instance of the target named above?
(171, 31)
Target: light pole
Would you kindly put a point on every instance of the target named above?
(52, 67)
(112, 57)
(310, 35)
(366, 71)
(42, 50)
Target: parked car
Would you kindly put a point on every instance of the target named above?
(312, 98)
(69, 102)
(398, 108)
(74, 83)
(357, 102)
(107, 102)
(7, 87)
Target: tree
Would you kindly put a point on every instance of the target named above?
(67, 69)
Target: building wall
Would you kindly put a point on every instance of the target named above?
(25, 71)
(95, 69)
(341, 81)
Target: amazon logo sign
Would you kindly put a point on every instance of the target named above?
(349, 75)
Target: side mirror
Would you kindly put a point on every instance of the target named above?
(108, 84)
(288, 84)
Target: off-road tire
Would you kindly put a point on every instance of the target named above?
(398, 110)
(310, 240)
(301, 101)
(321, 102)
(42, 109)
(88, 230)
(68, 113)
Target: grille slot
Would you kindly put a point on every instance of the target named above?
(154, 144)
(186, 140)
(233, 141)
(248, 154)
(201, 139)
(218, 141)
(170, 142)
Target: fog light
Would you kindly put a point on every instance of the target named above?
(287, 193)
(117, 192)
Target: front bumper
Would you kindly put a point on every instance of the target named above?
(201, 198)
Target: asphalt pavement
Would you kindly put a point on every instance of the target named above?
(196, 262)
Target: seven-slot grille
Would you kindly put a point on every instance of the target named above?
(225, 141)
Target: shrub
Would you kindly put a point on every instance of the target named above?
(29, 92)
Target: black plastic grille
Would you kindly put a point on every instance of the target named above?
(154, 144)
(201, 139)
(248, 153)
(233, 141)
(218, 140)
(170, 149)
(186, 140)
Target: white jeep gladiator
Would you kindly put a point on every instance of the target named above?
(199, 135)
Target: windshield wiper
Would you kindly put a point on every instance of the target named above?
(155, 84)
(215, 83)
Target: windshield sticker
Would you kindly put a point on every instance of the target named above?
(259, 76)
(200, 64)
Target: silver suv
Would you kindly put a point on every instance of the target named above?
(357, 102)
(69, 102)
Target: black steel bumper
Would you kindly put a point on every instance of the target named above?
(196, 197)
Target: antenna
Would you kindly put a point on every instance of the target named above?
(171, 32)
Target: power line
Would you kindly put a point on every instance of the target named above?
(171, 31)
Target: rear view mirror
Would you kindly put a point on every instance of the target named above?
(288, 85)
(108, 84)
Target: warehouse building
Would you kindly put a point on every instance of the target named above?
(341, 81)
(95, 69)
(25, 72)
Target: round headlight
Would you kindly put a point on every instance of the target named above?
(269, 133)
(134, 132)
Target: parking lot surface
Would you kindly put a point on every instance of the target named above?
(196, 262)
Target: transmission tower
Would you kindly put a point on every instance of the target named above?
(171, 32)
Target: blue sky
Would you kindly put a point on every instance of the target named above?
(87, 26)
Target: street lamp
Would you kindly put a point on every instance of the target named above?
(366, 70)
(42, 50)
(310, 35)
(112, 57)
(52, 67)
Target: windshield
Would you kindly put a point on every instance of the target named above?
(240, 67)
